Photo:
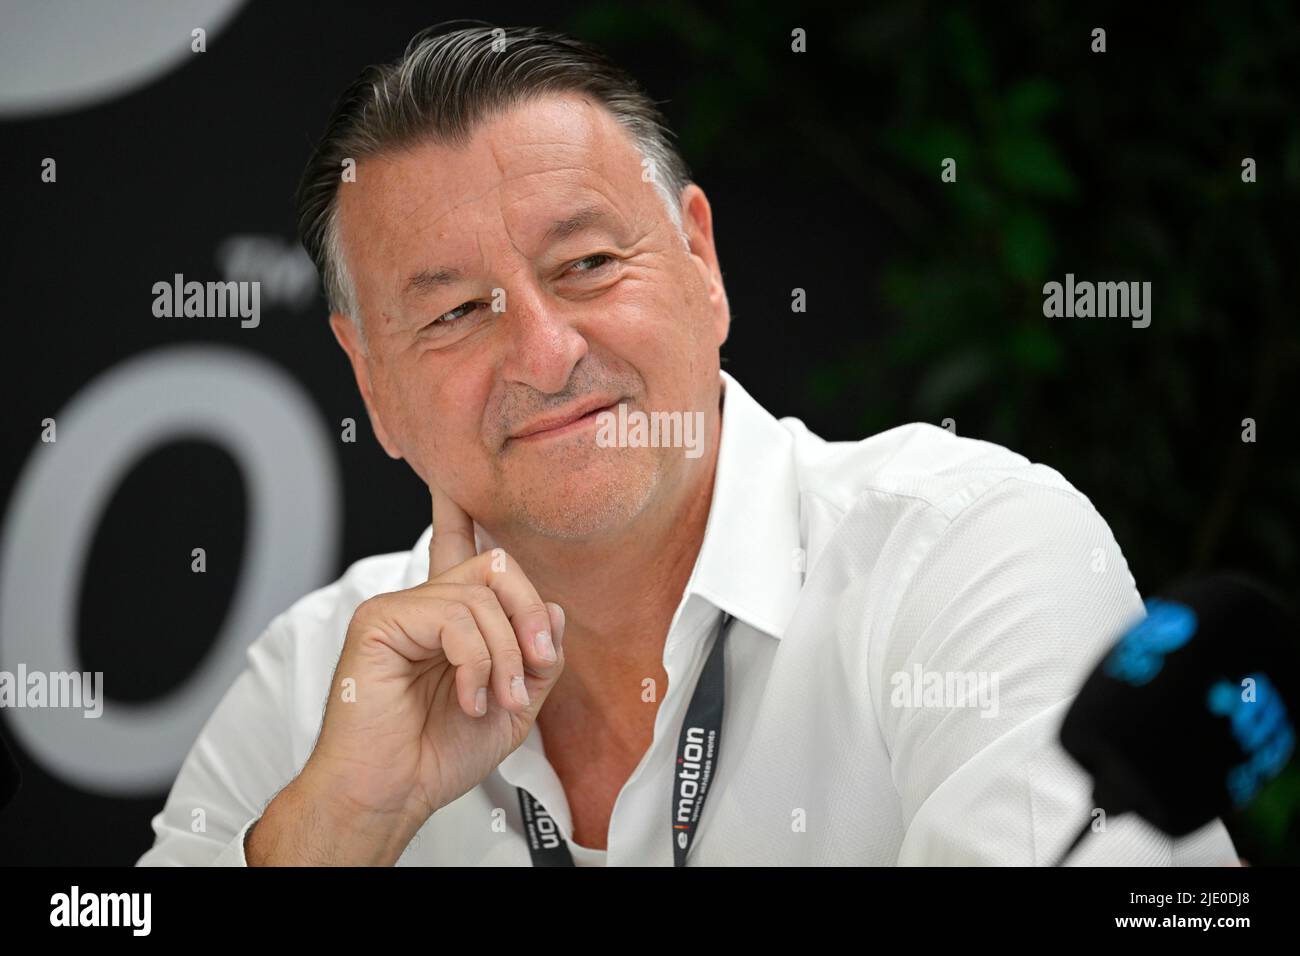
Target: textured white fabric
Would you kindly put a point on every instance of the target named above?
(912, 552)
(587, 856)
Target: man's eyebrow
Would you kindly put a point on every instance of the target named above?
(426, 280)
(587, 216)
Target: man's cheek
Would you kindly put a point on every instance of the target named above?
(455, 459)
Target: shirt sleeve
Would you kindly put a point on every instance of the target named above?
(1009, 610)
(240, 760)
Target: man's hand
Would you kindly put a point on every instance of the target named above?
(435, 686)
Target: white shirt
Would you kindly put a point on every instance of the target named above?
(852, 569)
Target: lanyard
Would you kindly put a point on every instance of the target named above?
(697, 756)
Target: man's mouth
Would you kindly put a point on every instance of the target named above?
(564, 423)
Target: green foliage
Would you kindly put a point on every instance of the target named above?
(1122, 166)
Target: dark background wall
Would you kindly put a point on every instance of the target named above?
(924, 303)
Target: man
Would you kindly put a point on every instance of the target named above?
(599, 633)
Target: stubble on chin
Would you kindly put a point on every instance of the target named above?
(585, 502)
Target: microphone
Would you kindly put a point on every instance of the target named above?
(10, 778)
(1192, 711)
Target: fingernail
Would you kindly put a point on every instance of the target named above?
(480, 701)
(518, 691)
(545, 649)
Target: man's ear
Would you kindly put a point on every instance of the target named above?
(349, 339)
(697, 222)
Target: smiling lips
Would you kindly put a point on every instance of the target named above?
(578, 416)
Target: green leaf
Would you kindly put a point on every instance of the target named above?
(925, 147)
(1029, 101)
(1030, 164)
(1027, 249)
(1035, 348)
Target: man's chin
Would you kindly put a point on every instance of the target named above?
(599, 500)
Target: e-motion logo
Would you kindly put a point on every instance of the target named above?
(538, 823)
(694, 768)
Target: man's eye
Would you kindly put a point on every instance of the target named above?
(599, 260)
(455, 314)
(590, 263)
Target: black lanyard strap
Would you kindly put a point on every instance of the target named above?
(694, 768)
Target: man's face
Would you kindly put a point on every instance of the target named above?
(608, 306)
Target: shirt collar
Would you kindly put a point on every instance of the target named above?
(750, 563)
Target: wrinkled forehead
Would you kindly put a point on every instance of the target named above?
(520, 168)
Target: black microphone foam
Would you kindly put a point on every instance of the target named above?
(1193, 710)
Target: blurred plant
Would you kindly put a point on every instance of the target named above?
(1116, 166)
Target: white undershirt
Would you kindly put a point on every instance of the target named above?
(586, 856)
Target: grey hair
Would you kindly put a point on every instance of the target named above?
(446, 82)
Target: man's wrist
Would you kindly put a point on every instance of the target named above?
(307, 824)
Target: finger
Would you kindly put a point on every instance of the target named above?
(452, 542)
(524, 608)
(467, 651)
(471, 688)
(557, 624)
(470, 650)
(507, 677)
(419, 626)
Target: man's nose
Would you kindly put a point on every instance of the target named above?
(544, 344)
